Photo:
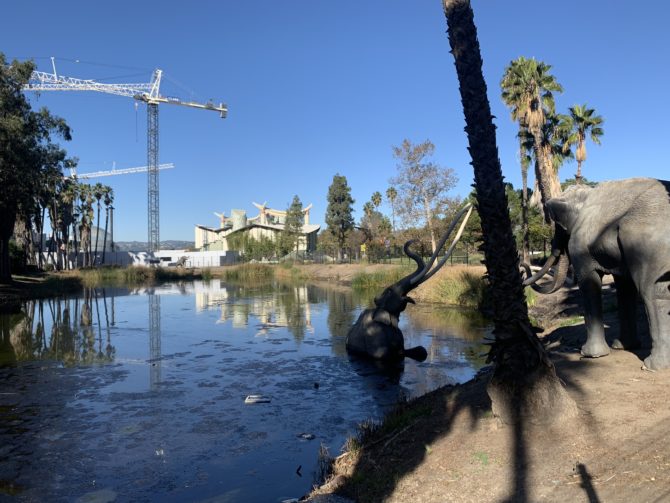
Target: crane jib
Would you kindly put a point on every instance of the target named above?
(147, 92)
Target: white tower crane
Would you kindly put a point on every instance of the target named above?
(150, 94)
(114, 171)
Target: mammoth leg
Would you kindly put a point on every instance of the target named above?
(591, 287)
(626, 294)
(657, 304)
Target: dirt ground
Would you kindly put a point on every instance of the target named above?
(447, 446)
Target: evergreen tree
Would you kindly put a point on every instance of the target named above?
(339, 213)
(27, 155)
(293, 224)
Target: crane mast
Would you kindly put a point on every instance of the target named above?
(146, 92)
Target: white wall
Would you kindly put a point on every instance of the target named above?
(164, 257)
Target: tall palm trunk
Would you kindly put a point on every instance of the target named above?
(543, 174)
(524, 381)
(97, 235)
(525, 233)
(41, 246)
(104, 239)
(7, 217)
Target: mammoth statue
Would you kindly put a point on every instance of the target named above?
(376, 334)
(620, 228)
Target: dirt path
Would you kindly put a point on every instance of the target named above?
(447, 446)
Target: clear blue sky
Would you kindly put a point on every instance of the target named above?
(317, 87)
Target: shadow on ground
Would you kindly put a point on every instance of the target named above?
(394, 454)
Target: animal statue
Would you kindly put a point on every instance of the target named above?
(620, 228)
(376, 334)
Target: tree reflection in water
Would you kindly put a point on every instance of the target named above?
(65, 330)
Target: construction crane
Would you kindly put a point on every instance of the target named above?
(146, 92)
(114, 171)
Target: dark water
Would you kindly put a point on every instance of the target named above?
(139, 396)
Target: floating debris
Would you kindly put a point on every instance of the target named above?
(306, 436)
(257, 399)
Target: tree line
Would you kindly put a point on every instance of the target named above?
(34, 188)
(418, 196)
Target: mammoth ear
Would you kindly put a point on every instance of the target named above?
(560, 211)
(382, 316)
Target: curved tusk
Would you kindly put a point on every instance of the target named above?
(425, 274)
(539, 274)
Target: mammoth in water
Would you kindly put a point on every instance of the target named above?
(376, 334)
(620, 228)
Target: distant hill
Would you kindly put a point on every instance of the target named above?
(139, 246)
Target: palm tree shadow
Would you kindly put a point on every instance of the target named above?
(396, 447)
(587, 484)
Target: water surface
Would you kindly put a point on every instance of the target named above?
(139, 395)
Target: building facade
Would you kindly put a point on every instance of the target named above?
(267, 225)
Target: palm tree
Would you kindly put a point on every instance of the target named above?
(582, 123)
(554, 146)
(368, 208)
(109, 199)
(523, 373)
(67, 197)
(98, 192)
(527, 88)
(86, 218)
(391, 195)
(376, 199)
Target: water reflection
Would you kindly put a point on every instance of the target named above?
(266, 306)
(142, 391)
(72, 331)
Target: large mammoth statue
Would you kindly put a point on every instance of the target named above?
(620, 228)
(376, 334)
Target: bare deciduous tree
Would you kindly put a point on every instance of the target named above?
(422, 186)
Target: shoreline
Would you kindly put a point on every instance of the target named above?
(446, 446)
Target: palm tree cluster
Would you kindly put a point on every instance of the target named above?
(71, 207)
(545, 136)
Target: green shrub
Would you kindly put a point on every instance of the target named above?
(459, 286)
(249, 272)
(379, 279)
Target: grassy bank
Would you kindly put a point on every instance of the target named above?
(131, 276)
(454, 285)
(258, 272)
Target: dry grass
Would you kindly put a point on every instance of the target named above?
(455, 285)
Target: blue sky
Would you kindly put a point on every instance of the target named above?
(318, 87)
